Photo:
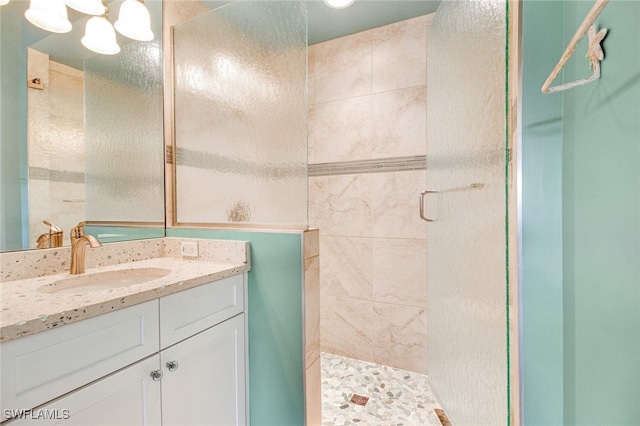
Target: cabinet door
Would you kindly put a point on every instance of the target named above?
(208, 385)
(128, 397)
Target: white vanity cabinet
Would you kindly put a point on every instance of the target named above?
(195, 389)
(177, 360)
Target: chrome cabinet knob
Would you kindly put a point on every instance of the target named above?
(156, 375)
(172, 365)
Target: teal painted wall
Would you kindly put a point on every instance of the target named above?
(109, 234)
(541, 235)
(588, 141)
(275, 323)
(12, 130)
(601, 231)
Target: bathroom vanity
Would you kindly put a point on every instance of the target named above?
(170, 351)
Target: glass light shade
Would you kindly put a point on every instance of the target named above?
(339, 4)
(134, 21)
(3, 2)
(50, 15)
(100, 37)
(89, 7)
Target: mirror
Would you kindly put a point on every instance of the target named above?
(81, 133)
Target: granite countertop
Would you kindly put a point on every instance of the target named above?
(27, 311)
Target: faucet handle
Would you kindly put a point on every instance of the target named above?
(77, 232)
(52, 228)
(55, 234)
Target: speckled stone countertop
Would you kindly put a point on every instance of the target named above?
(26, 311)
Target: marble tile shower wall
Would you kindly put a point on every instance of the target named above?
(367, 101)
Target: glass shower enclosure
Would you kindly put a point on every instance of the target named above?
(241, 115)
(467, 205)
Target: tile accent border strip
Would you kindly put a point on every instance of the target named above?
(383, 165)
(42, 173)
(225, 164)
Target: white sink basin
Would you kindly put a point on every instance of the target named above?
(103, 280)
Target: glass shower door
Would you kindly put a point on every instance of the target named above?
(467, 240)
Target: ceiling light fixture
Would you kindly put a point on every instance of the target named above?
(89, 7)
(3, 2)
(100, 37)
(338, 4)
(134, 21)
(50, 15)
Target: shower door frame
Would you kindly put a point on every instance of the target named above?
(513, 143)
(514, 202)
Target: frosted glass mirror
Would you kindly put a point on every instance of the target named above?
(241, 115)
(82, 133)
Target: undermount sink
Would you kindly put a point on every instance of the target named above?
(103, 280)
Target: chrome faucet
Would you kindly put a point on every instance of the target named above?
(78, 250)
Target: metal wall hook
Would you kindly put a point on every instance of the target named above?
(594, 51)
(35, 83)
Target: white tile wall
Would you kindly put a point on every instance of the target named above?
(397, 58)
(343, 67)
(367, 100)
(399, 271)
(342, 130)
(346, 326)
(346, 266)
(400, 336)
(341, 205)
(399, 125)
(395, 205)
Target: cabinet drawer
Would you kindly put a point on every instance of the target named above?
(128, 397)
(43, 366)
(189, 312)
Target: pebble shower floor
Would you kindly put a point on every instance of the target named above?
(396, 397)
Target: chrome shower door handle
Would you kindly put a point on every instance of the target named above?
(422, 194)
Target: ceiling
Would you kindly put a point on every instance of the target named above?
(325, 23)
